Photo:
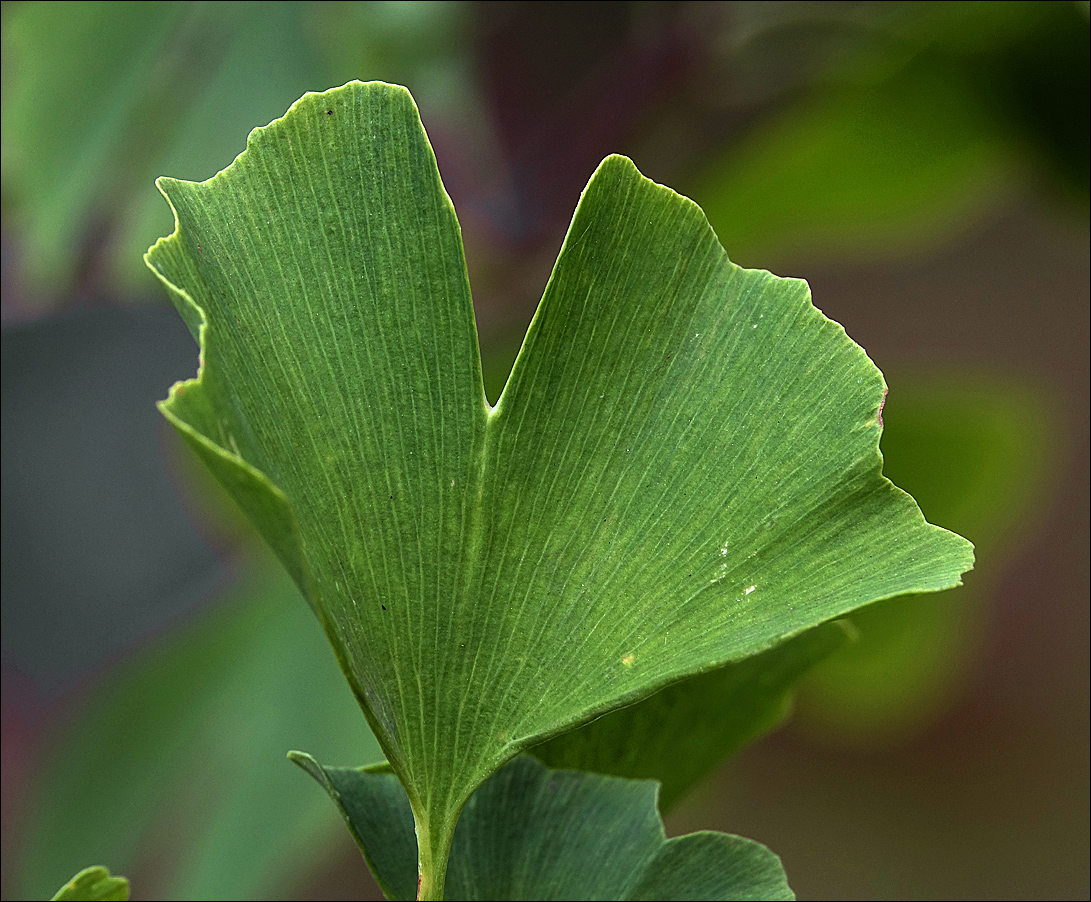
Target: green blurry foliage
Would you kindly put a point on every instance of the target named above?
(534, 833)
(100, 98)
(173, 769)
(977, 455)
(941, 117)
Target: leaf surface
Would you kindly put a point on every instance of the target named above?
(679, 734)
(682, 470)
(94, 884)
(530, 832)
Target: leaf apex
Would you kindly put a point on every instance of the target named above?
(310, 765)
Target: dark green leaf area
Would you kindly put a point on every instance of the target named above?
(530, 832)
(679, 734)
(94, 884)
(379, 817)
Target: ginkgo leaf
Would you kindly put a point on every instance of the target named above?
(682, 471)
(530, 832)
(94, 884)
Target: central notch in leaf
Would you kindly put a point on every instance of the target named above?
(683, 469)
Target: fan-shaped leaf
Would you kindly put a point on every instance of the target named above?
(682, 471)
(534, 833)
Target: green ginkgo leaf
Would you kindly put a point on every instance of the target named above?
(94, 884)
(682, 471)
(530, 832)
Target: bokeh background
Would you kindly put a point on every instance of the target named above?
(923, 165)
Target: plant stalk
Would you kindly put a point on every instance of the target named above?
(433, 851)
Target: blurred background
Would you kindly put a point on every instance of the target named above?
(923, 165)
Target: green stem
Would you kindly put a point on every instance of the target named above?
(433, 851)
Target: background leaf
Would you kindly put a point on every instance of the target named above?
(905, 158)
(184, 750)
(534, 833)
(94, 885)
(59, 179)
(910, 138)
(85, 213)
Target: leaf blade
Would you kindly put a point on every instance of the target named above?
(367, 278)
(708, 865)
(94, 884)
(530, 832)
(682, 472)
(628, 501)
